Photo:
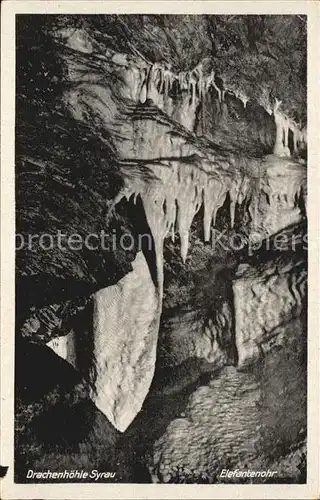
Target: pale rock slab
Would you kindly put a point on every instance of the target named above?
(126, 321)
(65, 347)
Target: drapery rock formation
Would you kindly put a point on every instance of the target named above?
(137, 141)
(126, 322)
(260, 326)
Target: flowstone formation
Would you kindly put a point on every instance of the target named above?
(210, 174)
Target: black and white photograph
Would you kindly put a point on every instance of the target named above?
(161, 249)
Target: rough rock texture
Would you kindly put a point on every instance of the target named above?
(187, 336)
(239, 419)
(210, 436)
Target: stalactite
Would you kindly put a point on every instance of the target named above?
(213, 83)
(234, 193)
(203, 114)
(232, 212)
(200, 81)
(305, 200)
(286, 131)
(143, 92)
(156, 81)
(182, 189)
(295, 138)
(242, 97)
(214, 194)
(162, 82)
(283, 124)
(280, 148)
(169, 77)
(149, 84)
(244, 100)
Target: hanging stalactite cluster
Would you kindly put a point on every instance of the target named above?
(283, 125)
(180, 189)
(155, 81)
